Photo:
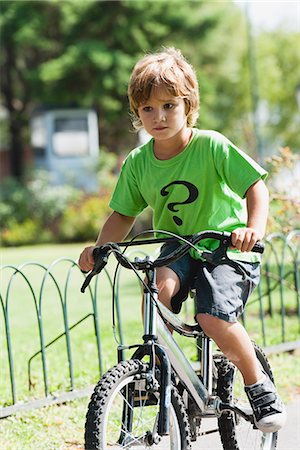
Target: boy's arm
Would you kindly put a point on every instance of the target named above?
(115, 229)
(257, 198)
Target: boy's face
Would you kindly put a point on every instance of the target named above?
(163, 115)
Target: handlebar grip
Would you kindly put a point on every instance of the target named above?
(96, 252)
(259, 247)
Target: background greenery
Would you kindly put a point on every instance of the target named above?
(38, 212)
(80, 54)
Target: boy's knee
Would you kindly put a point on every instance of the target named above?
(210, 324)
(166, 290)
(168, 285)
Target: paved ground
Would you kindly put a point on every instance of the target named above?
(288, 437)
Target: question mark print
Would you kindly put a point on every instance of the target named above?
(193, 194)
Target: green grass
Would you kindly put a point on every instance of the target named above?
(23, 320)
(61, 427)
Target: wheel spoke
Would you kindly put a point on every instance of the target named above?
(123, 414)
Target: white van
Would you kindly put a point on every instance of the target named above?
(65, 142)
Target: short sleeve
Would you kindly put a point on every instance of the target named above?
(237, 169)
(127, 198)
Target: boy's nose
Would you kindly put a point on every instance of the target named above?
(160, 115)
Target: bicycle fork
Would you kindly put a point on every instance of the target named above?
(169, 354)
(150, 339)
(155, 352)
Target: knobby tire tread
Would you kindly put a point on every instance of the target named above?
(225, 392)
(102, 391)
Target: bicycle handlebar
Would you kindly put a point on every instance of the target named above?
(102, 253)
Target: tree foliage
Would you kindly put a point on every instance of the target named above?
(279, 78)
(283, 186)
(80, 53)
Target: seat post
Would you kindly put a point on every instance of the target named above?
(207, 362)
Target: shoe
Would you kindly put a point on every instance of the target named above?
(268, 410)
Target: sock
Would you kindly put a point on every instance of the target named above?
(260, 381)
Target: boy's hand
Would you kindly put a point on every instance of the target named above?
(244, 239)
(86, 260)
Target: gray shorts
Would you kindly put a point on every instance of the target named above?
(221, 290)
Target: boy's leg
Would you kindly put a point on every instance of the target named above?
(268, 409)
(234, 342)
(173, 281)
(222, 292)
(168, 285)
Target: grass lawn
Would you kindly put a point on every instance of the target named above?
(61, 427)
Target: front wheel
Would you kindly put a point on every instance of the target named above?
(123, 414)
(237, 433)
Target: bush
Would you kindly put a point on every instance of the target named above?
(48, 202)
(39, 212)
(14, 202)
(107, 170)
(25, 233)
(83, 221)
(29, 213)
(283, 184)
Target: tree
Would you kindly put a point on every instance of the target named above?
(26, 43)
(279, 76)
(81, 53)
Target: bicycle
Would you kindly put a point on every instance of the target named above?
(156, 398)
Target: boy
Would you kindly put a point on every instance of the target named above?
(195, 180)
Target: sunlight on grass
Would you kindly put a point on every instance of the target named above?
(61, 427)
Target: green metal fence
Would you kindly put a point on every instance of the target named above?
(52, 295)
(277, 298)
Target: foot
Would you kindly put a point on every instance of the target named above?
(268, 409)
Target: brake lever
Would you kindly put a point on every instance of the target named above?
(220, 253)
(101, 259)
(87, 281)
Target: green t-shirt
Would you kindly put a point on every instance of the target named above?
(201, 188)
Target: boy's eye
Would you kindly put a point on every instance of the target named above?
(168, 106)
(147, 108)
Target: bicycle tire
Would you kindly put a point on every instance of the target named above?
(235, 432)
(102, 434)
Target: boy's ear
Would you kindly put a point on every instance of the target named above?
(187, 106)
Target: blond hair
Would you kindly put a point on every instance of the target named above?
(168, 69)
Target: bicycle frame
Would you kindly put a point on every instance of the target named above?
(167, 363)
(158, 340)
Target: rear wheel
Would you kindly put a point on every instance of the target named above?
(237, 433)
(123, 414)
